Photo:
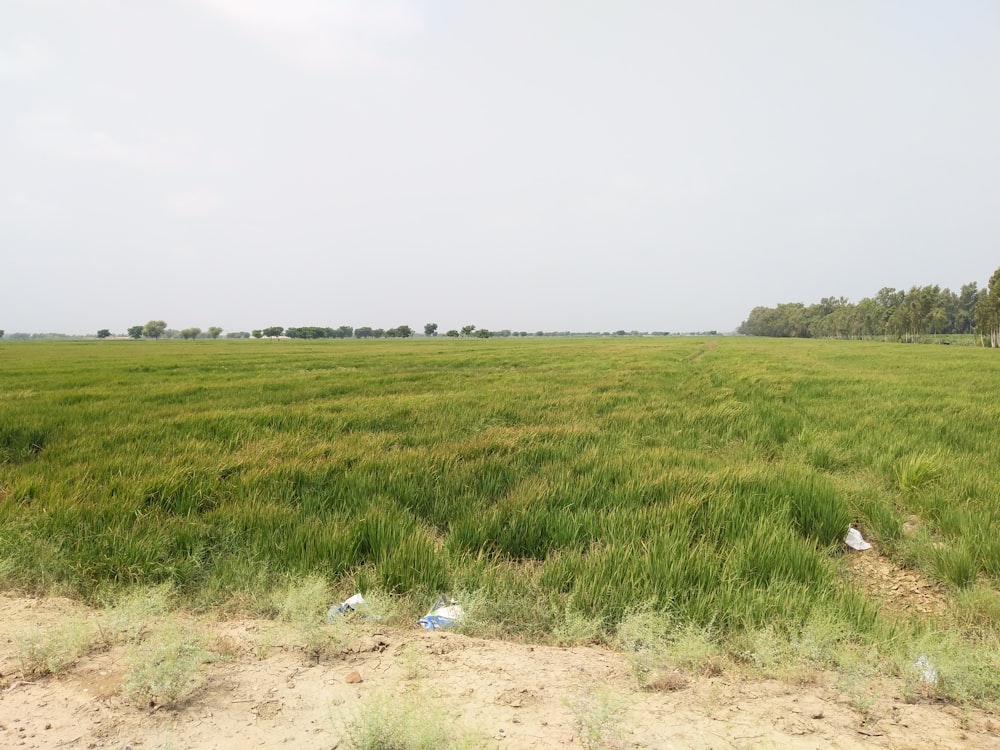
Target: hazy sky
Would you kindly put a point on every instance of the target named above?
(527, 165)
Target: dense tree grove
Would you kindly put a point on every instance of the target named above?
(988, 311)
(890, 314)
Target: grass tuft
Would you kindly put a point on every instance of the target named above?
(41, 652)
(18, 444)
(402, 723)
(599, 720)
(919, 470)
(955, 565)
(165, 670)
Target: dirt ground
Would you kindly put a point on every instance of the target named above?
(269, 692)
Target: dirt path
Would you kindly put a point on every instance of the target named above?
(267, 692)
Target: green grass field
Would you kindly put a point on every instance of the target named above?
(550, 481)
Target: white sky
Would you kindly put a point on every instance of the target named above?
(509, 164)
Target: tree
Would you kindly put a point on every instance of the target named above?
(988, 312)
(364, 332)
(404, 332)
(214, 331)
(920, 301)
(965, 316)
(258, 333)
(452, 334)
(467, 330)
(868, 318)
(135, 332)
(103, 333)
(190, 333)
(154, 329)
(273, 331)
(483, 333)
(430, 329)
(944, 316)
(939, 319)
(1, 333)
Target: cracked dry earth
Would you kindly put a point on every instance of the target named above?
(898, 589)
(501, 695)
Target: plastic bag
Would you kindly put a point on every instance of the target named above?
(927, 671)
(444, 614)
(854, 540)
(351, 604)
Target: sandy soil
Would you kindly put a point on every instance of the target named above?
(268, 692)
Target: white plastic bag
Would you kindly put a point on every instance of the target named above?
(855, 541)
(351, 604)
(927, 671)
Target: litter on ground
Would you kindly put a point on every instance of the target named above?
(444, 614)
(927, 671)
(855, 541)
(351, 604)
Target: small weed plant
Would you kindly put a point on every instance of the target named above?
(599, 721)
(127, 618)
(166, 669)
(407, 723)
(45, 651)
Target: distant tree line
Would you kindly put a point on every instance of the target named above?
(158, 329)
(342, 332)
(892, 313)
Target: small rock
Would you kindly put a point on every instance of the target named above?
(354, 678)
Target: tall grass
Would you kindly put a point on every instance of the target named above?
(712, 480)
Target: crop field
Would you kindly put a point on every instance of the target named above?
(555, 485)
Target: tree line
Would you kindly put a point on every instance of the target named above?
(157, 329)
(896, 314)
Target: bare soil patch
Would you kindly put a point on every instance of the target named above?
(267, 690)
(903, 590)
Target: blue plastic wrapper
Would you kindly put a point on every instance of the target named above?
(352, 604)
(442, 615)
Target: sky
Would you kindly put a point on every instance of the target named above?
(530, 165)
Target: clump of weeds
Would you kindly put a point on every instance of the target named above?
(165, 670)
